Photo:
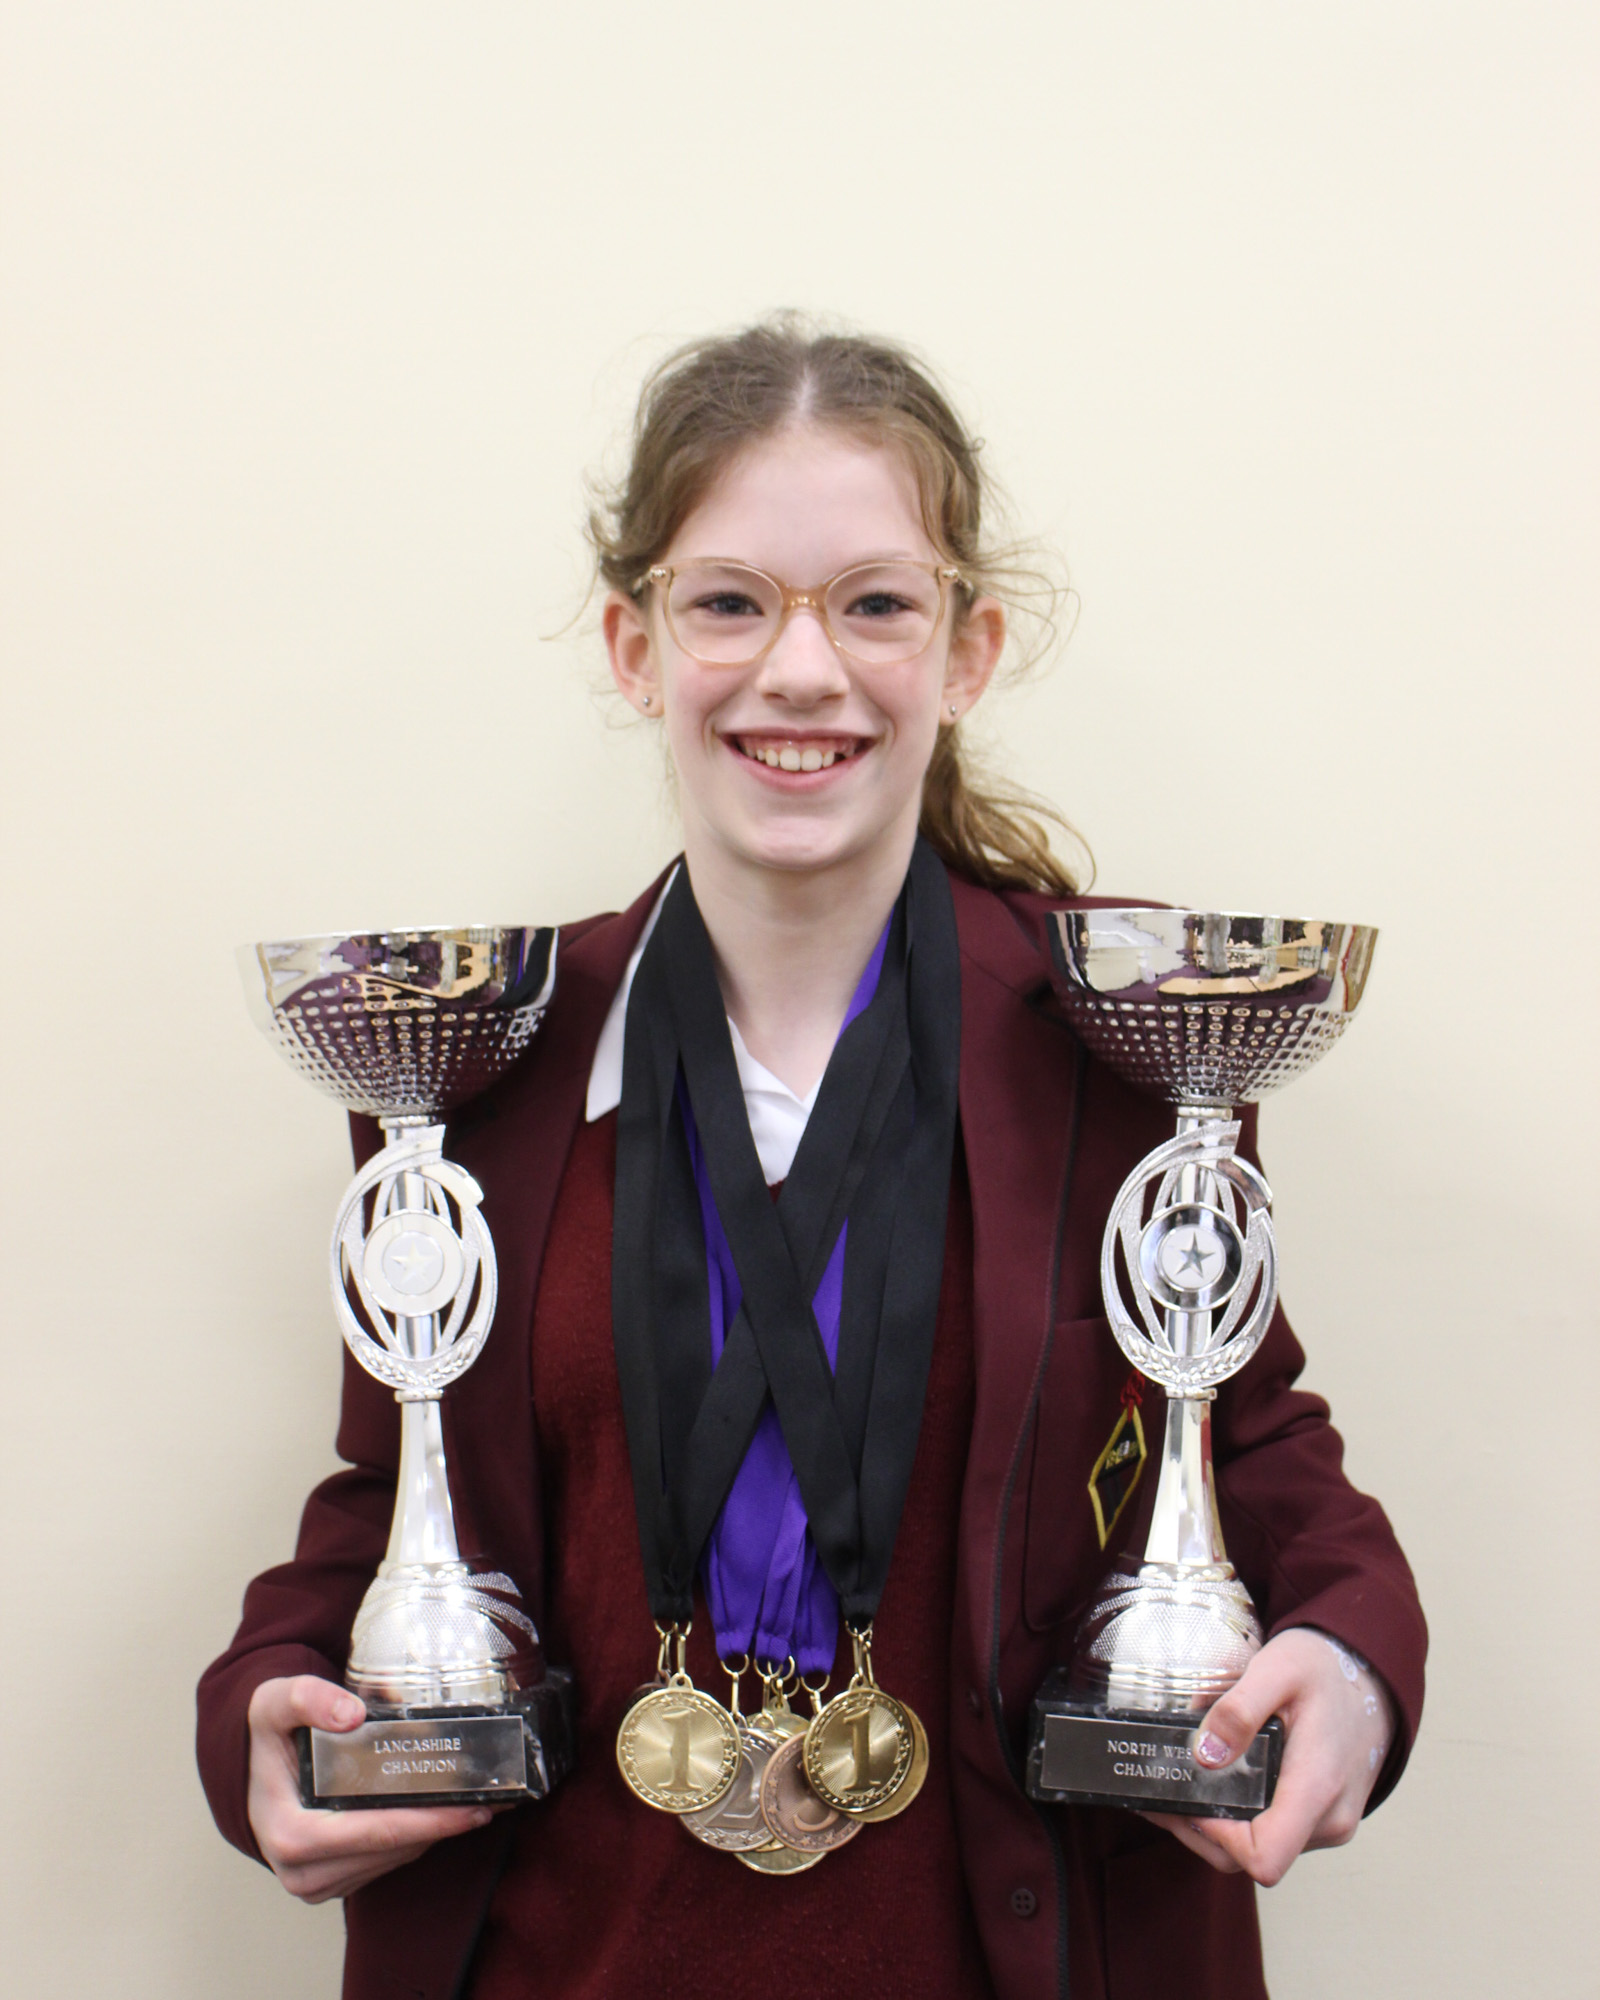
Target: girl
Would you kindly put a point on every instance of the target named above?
(799, 593)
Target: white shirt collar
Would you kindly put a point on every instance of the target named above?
(777, 1117)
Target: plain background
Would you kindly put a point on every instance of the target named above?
(1280, 325)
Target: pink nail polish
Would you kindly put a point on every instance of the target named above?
(1212, 1750)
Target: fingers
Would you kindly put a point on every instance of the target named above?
(1264, 1848)
(317, 1854)
(1193, 1834)
(304, 1702)
(1313, 1804)
(1337, 1721)
(322, 1854)
(1267, 1686)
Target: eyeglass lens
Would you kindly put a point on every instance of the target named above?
(727, 614)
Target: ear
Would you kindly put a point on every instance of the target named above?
(633, 660)
(975, 652)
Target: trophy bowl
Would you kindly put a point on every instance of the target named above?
(405, 1022)
(404, 1025)
(1208, 1006)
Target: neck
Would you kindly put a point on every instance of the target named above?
(791, 945)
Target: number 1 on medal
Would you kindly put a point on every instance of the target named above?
(861, 1747)
(680, 1752)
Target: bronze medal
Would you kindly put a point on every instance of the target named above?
(793, 1812)
(735, 1824)
(678, 1749)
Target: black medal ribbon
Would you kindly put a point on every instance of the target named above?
(876, 1151)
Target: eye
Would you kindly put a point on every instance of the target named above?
(726, 604)
(878, 604)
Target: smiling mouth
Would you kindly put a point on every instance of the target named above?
(797, 753)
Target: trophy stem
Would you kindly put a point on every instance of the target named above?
(1184, 1527)
(424, 1527)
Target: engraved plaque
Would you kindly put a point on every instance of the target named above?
(452, 1759)
(1091, 1758)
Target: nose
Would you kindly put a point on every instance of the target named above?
(803, 667)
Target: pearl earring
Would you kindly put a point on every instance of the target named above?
(645, 701)
(952, 708)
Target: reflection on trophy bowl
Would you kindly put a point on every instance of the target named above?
(1203, 1006)
(1164, 1638)
(402, 1023)
(441, 1635)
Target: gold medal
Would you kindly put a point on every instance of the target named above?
(780, 1860)
(793, 1812)
(914, 1777)
(861, 1748)
(777, 1719)
(678, 1749)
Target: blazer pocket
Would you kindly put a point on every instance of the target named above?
(1079, 1403)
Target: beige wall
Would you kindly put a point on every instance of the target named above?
(1279, 321)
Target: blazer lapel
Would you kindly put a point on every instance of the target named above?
(1018, 1090)
(516, 1139)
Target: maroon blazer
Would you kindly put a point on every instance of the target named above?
(1093, 1902)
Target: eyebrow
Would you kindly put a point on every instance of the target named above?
(855, 562)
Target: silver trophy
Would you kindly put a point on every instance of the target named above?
(405, 1025)
(1206, 1010)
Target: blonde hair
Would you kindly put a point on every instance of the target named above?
(711, 399)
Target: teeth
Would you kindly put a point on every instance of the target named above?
(789, 758)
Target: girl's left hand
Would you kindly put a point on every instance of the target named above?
(1338, 1721)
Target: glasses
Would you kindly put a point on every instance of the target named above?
(729, 614)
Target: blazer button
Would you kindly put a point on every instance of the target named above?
(975, 1701)
(1024, 1903)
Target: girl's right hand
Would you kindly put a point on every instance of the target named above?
(318, 1854)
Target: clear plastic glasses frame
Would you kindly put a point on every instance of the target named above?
(887, 651)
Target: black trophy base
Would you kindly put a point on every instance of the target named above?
(1081, 1753)
(445, 1756)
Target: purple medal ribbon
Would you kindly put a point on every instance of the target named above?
(769, 1596)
